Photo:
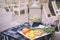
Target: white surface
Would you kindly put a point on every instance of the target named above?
(35, 37)
(41, 26)
(34, 4)
(5, 20)
(45, 18)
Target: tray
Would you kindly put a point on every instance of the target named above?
(44, 34)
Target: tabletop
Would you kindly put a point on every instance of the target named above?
(12, 32)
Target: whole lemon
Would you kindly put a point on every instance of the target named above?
(32, 36)
(28, 34)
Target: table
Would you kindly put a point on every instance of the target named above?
(12, 34)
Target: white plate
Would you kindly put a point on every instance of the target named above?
(35, 37)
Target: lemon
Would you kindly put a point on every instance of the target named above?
(32, 36)
(32, 32)
(28, 34)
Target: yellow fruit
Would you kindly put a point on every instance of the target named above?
(32, 32)
(32, 36)
(28, 34)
